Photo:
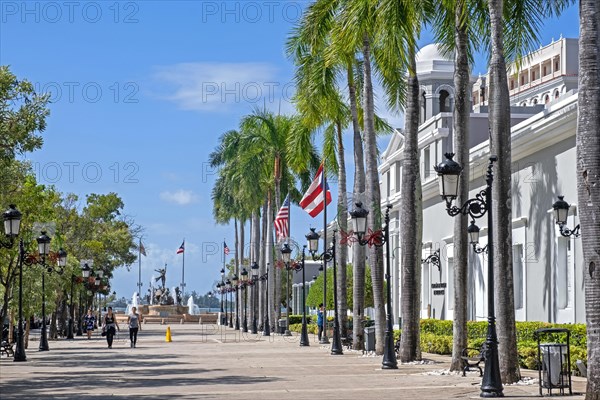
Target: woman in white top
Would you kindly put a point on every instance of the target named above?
(133, 320)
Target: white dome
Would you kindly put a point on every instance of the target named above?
(431, 60)
(432, 52)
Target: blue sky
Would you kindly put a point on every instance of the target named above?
(141, 92)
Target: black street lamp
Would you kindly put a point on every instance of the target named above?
(44, 252)
(267, 327)
(12, 225)
(230, 305)
(473, 231)
(313, 246)
(328, 255)
(254, 269)
(244, 275)
(561, 213)
(433, 258)
(223, 314)
(286, 255)
(378, 239)
(235, 287)
(297, 267)
(448, 176)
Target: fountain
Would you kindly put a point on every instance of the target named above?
(193, 309)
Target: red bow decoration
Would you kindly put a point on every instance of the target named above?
(279, 264)
(347, 238)
(374, 238)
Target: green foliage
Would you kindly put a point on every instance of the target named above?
(438, 344)
(297, 319)
(436, 337)
(315, 294)
(22, 113)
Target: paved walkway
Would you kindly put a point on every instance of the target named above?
(207, 362)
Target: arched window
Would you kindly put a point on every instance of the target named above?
(556, 94)
(534, 101)
(546, 99)
(444, 101)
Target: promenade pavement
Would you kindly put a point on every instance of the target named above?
(210, 362)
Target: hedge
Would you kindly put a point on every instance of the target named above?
(436, 337)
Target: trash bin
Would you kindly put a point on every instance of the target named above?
(554, 361)
(282, 324)
(370, 338)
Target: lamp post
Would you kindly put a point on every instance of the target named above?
(448, 175)
(313, 244)
(235, 287)
(244, 275)
(378, 239)
(328, 255)
(223, 315)
(230, 304)
(304, 332)
(254, 269)
(44, 251)
(12, 225)
(561, 213)
(266, 327)
(286, 253)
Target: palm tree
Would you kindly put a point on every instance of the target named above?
(267, 136)
(588, 193)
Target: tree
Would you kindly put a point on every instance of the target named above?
(315, 294)
(588, 170)
(23, 114)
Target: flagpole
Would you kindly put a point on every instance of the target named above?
(183, 270)
(139, 284)
(324, 339)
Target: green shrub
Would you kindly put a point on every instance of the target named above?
(436, 337)
(437, 344)
(297, 319)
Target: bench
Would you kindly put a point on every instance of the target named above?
(472, 357)
(6, 348)
(347, 342)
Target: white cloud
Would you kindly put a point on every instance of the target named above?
(180, 197)
(211, 86)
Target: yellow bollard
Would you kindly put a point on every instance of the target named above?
(168, 337)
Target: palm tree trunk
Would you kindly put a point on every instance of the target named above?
(373, 198)
(255, 256)
(411, 216)
(588, 170)
(358, 252)
(275, 252)
(273, 306)
(461, 115)
(502, 241)
(342, 218)
(241, 261)
(263, 263)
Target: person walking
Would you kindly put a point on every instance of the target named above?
(89, 321)
(110, 322)
(320, 320)
(133, 320)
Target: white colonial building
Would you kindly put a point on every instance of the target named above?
(548, 273)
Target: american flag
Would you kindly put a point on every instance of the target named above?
(282, 227)
(313, 202)
(181, 248)
(225, 248)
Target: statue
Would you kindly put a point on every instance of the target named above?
(177, 296)
(162, 276)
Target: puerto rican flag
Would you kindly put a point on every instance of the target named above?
(313, 202)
